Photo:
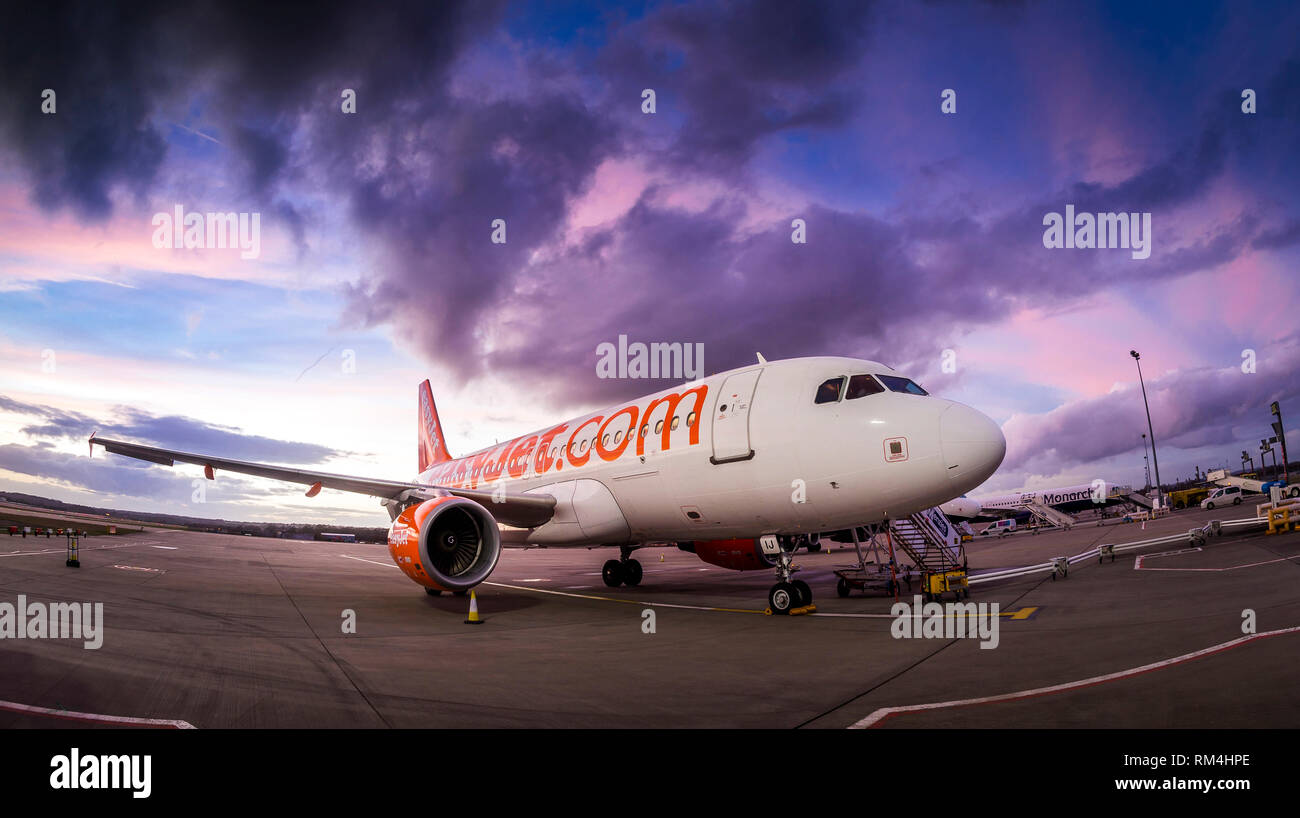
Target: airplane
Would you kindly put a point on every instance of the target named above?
(1064, 498)
(742, 468)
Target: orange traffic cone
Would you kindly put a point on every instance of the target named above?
(473, 618)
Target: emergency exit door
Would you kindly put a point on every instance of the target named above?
(731, 418)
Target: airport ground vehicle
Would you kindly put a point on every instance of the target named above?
(1227, 495)
(1001, 528)
(1186, 498)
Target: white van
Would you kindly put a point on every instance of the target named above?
(1222, 497)
(1001, 528)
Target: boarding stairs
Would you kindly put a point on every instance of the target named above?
(1139, 499)
(930, 540)
(1049, 515)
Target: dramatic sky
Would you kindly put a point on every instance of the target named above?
(377, 269)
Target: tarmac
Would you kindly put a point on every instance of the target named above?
(225, 631)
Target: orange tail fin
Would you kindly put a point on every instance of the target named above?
(433, 449)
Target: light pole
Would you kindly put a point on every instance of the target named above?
(1146, 459)
(1276, 408)
(1155, 458)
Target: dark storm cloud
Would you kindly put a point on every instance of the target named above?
(116, 67)
(167, 431)
(739, 72)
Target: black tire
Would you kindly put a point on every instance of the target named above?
(632, 573)
(1180, 505)
(842, 588)
(781, 598)
(1236, 501)
(1209, 506)
(813, 548)
(802, 592)
(433, 592)
(1295, 491)
(612, 573)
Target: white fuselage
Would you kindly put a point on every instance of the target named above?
(741, 454)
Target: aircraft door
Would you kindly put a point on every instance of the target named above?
(731, 418)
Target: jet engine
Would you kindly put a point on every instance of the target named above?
(738, 555)
(446, 543)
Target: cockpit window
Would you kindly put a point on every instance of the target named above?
(897, 384)
(829, 391)
(862, 385)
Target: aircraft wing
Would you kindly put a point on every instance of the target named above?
(522, 510)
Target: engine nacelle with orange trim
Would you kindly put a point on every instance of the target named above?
(738, 555)
(446, 543)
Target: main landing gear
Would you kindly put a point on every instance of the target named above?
(622, 571)
(787, 593)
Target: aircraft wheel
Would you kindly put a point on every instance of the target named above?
(433, 592)
(612, 573)
(803, 594)
(842, 588)
(781, 598)
(632, 573)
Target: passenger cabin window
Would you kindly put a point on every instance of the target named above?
(862, 385)
(897, 384)
(829, 391)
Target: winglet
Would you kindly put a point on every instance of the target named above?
(761, 359)
(433, 448)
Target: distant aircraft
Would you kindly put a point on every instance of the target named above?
(741, 468)
(1068, 499)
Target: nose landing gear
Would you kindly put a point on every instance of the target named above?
(787, 594)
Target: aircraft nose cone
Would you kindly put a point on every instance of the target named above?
(973, 445)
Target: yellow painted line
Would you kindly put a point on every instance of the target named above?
(1023, 613)
(642, 603)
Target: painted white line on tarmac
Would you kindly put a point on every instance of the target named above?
(64, 550)
(372, 562)
(879, 715)
(1138, 566)
(97, 718)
